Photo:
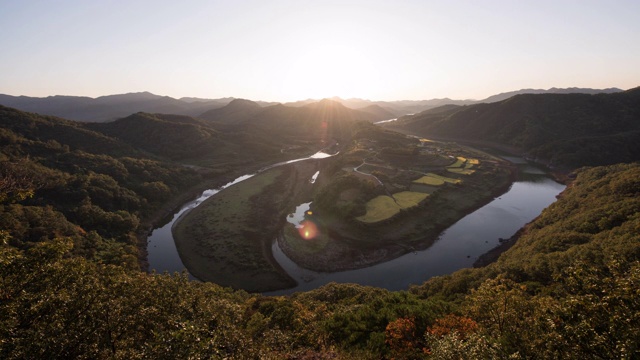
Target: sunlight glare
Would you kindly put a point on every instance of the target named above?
(328, 65)
(308, 230)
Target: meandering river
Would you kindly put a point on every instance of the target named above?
(457, 247)
(162, 254)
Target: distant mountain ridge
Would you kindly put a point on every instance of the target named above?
(235, 111)
(571, 90)
(112, 107)
(560, 129)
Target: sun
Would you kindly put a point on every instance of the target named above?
(329, 67)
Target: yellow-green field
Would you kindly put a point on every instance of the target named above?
(462, 171)
(436, 180)
(459, 162)
(463, 166)
(384, 207)
(409, 199)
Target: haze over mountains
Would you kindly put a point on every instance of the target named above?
(112, 107)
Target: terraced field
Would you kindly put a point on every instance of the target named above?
(463, 166)
(385, 207)
(436, 180)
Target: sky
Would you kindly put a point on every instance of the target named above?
(295, 49)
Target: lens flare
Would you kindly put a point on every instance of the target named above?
(308, 230)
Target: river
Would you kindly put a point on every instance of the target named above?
(162, 254)
(457, 247)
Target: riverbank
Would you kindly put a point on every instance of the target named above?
(346, 244)
(227, 239)
(506, 244)
(163, 214)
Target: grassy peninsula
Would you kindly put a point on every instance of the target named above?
(368, 204)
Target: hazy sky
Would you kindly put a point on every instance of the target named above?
(290, 50)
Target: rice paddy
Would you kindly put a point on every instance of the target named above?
(384, 207)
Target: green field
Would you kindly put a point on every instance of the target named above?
(463, 166)
(436, 180)
(463, 171)
(409, 199)
(459, 162)
(384, 207)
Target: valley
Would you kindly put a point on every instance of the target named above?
(227, 239)
(404, 216)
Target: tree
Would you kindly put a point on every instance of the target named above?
(599, 317)
(15, 185)
(400, 334)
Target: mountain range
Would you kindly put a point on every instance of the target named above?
(112, 107)
(570, 130)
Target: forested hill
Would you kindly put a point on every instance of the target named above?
(183, 138)
(561, 129)
(60, 179)
(239, 132)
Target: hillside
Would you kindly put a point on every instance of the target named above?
(314, 124)
(573, 90)
(172, 137)
(235, 112)
(65, 180)
(47, 128)
(569, 130)
(379, 111)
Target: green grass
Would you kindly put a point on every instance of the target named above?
(463, 166)
(380, 208)
(436, 180)
(384, 207)
(463, 171)
(409, 199)
(304, 246)
(214, 240)
(430, 180)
